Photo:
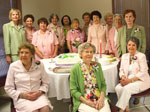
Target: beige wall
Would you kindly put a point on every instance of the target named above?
(39, 8)
(74, 8)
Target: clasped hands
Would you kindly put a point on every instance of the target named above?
(124, 81)
(33, 95)
(97, 104)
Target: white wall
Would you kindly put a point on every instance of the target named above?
(39, 8)
(74, 8)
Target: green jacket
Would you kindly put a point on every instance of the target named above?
(13, 37)
(77, 83)
(122, 41)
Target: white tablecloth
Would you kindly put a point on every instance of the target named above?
(59, 83)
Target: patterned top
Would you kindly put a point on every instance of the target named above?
(90, 83)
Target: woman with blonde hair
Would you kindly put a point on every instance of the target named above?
(14, 35)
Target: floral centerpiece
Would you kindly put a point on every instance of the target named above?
(76, 42)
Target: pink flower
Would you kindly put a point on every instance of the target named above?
(37, 62)
(134, 58)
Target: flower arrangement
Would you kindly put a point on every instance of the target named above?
(76, 42)
(134, 58)
(137, 29)
(37, 62)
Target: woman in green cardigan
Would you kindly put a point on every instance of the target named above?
(14, 35)
(87, 83)
(130, 30)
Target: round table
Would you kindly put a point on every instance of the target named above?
(59, 82)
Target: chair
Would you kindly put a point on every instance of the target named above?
(144, 94)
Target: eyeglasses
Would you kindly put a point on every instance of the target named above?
(89, 52)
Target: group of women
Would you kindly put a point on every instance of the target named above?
(27, 83)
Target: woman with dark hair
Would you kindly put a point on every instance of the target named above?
(87, 23)
(27, 83)
(98, 33)
(129, 30)
(45, 41)
(133, 73)
(58, 30)
(66, 22)
(28, 20)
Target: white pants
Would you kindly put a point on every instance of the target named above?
(124, 93)
(85, 108)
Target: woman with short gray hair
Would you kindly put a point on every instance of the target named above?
(113, 35)
(58, 30)
(87, 83)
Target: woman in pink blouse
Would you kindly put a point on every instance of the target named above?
(58, 30)
(98, 32)
(27, 83)
(113, 34)
(28, 20)
(75, 36)
(45, 41)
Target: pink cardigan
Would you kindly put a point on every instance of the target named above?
(111, 46)
(140, 69)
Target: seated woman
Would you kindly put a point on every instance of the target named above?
(133, 73)
(87, 83)
(75, 36)
(27, 83)
(45, 41)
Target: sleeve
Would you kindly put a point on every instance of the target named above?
(6, 38)
(143, 43)
(106, 36)
(62, 34)
(10, 85)
(89, 39)
(68, 36)
(74, 89)
(121, 70)
(143, 67)
(109, 42)
(119, 43)
(83, 36)
(102, 80)
(45, 80)
(35, 39)
(56, 42)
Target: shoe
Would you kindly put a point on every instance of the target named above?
(136, 101)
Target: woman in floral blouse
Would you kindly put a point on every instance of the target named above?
(87, 83)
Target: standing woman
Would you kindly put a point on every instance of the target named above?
(28, 20)
(129, 30)
(113, 34)
(75, 36)
(66, 22)
(58, 32)
(98, 32)
(14, 35)
(45, 41)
